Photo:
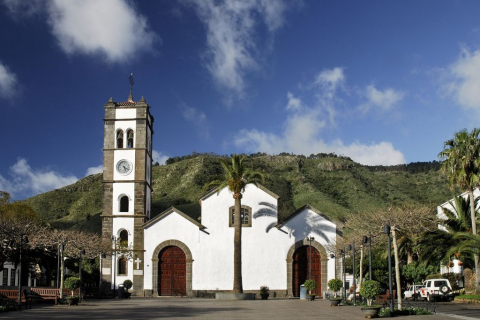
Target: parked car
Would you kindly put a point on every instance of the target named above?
(413, 292)
(437, 289)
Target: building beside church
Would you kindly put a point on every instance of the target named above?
(174, 254)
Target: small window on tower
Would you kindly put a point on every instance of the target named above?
(124, 204)
(122, 266)
(130, 139)
(124, 239)
(120, 139)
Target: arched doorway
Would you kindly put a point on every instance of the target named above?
(303, 257)
(172, 272)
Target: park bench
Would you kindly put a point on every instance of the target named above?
(6, 294)
(384, 299)
(46, 294)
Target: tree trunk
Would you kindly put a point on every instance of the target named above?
(361, 267)
(62, 268)
(397, 270)
(237, 246)
(410, 257)
(474, 231)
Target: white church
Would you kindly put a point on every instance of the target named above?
(175, 255)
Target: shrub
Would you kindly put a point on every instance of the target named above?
(369, 290)
(72, 284)
(264, 290)
(335, 285)
(310, 285)
(127, 284)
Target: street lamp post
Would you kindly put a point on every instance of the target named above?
(80, 274)
(310, 240)
(352, 248)
(22, 241)
(386, 230)
(369, 241)
(344, 276)
(114, 239)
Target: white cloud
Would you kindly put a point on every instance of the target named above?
(84, 27)
(197, 118)
(293, 103)
(112, 29)
(8, 82)
(94, 170)
(231, 33)
(304, 124)
(159, 157)
(26, 180)
(465, 85)
(384, 100)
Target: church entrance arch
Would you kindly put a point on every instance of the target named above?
(298, 268)
(172, 272)
(305, 260)
(172, 269)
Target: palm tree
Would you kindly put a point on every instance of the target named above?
(461, 165)
(236, 177)
(458, 221)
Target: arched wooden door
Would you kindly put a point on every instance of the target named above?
(301, 268)
(172, 271)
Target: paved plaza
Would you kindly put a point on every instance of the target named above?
(185, 308)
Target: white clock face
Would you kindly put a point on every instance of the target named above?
(124, 167)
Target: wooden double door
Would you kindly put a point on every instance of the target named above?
(172, 271)
(302, 258)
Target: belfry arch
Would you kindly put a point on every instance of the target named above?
(323, 262)
(189, 261)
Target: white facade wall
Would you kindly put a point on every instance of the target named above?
(310, 224)
(264, 247)
(119, 190)
(118, 226)
(125, 113)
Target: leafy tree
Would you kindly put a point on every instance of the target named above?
(236, 177)
(416, 273)
(461, 165)
(408, 221)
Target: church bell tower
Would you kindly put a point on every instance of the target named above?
(127, 178)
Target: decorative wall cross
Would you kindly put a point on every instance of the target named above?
(138, 261)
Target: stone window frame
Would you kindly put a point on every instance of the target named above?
(323, 264)
(5, 276)
(13, 276)
(122, 260)
(127, 132)
(188, 260)
(117, 133)
(230, 216)
(120, 197)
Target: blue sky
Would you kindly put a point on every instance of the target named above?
(383, 82)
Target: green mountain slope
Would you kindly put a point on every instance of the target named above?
(336, 186)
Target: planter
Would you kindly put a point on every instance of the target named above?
(72, 301)
(310, 297)
(264, 296)
(335, 302)
(370, 312)
(127, 295)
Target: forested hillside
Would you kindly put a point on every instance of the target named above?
(334, 185)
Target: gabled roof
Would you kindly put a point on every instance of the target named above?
(166, 213)
(215, 190)
(307, 206)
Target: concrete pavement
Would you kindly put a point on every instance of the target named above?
(185, 308)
